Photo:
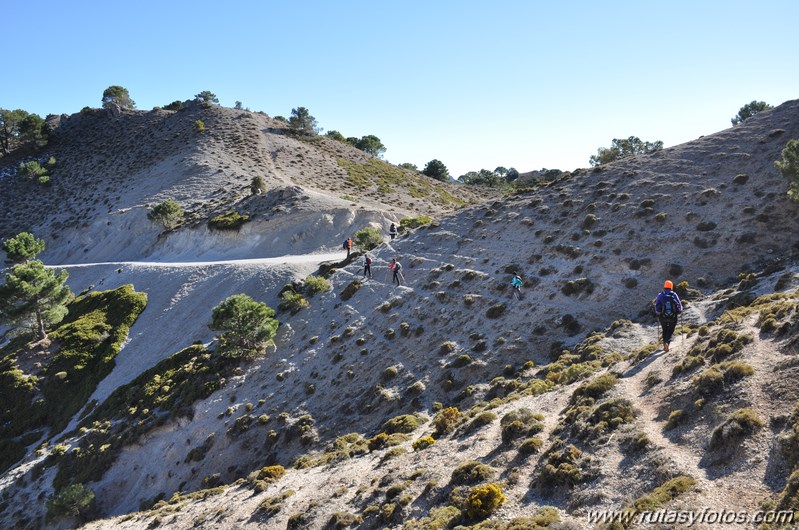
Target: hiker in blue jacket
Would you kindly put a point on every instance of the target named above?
(516, 283)
(667, 308)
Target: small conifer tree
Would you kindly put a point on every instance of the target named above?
(789, 167)
(167, 213)
(35, 297)
(23, 247)
(257, 185)
(246, 325)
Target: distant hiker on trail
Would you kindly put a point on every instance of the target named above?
(516, 283)
(667, 308)
(392, 231)
(367, 266)
(348, 246)
(397, 268)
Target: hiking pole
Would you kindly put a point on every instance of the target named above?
(682, 330)
(657, 323)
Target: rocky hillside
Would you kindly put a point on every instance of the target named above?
(447, 401)
(111, 166)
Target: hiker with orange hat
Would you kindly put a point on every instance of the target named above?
(667, 308)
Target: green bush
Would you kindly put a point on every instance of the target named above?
(712, 379)
(589, 220)
(390, 373)
(688, 363)
(578, 286)
(742, 422)
(378, 441)
(316, 284)
(167, 213)
(725, 343)
(531, 446)
(481, 420)
(562, 468)
(664, 493)
(71, 501)
(270, 473)
(446, 420)
(246, 325)
(595, 388)
(447, 347)
(518, 423)
(675, 418)
(789, 167)
(461, 361)
(32, 170)
(340, 520)
(368, 238)
(409, 223)
(350, 290)
(257, 185)
(589, 422)
(484, 500)
(423, 443)
(406, 423)
(472, 473)
(199, 126)
(228, 221)
(495, 311)
(292, 302)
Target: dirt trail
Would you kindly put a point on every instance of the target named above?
(720, 487)
(282, 260)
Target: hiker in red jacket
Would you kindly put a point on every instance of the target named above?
(367, 266)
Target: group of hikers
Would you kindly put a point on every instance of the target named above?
(395, 266)
(668, 305)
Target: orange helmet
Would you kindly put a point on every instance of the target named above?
(668, 285)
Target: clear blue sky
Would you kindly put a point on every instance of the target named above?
(475, 84)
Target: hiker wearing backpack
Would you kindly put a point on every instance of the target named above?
(348, 246)
(397, 268)
(516, 283)
(392, 231)
(667, 308)
(367, 267)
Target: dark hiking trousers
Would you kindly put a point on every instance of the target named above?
(668, 325)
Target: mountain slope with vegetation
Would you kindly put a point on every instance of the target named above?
(447, 400)
(109, 167)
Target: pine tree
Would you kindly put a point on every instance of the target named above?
(35, 297)
(22, 247)
(246, 325)
(789, 167)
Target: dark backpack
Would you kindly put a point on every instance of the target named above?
(344, 246)
(669, 306)
(368, 261)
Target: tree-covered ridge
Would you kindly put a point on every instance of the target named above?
(20, 129)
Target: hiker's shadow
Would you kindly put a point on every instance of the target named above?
(640, 365)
